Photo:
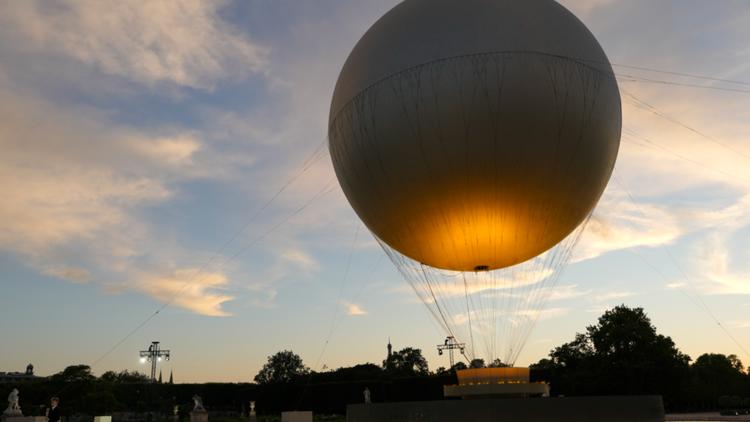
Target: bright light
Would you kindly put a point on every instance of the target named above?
(158, 359)
(143, 360)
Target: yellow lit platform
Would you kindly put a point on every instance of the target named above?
(495, 382)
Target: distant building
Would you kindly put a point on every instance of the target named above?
(6, 377)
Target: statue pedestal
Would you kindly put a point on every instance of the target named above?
(305, 416)
(198, 416)
(7, 418)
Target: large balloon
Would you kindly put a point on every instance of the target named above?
(475, 134)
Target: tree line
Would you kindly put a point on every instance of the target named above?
(621, 354)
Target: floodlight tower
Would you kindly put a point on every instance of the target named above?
(154, 354)
(450, 345)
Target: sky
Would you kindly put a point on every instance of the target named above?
(144, 146)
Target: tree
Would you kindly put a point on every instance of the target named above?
(714, 375)
(476, 363)
(407, 361)
(358, 372)
(442, 371)
(497, 363)
(625, 346)
(736, 363)
(74, 374)
(283, 367)
(124, 376)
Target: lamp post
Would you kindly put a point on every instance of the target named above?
(450, 345)
(154, 354)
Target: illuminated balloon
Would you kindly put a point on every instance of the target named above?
(475, 134)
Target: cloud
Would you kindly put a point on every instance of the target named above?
(619, 223)
(74, 175)
(354, 309)
(187, 288)
(300, 258)
(184, 42)
(176, 151)
(565, 292)
(287, 262)
(612, 296)
(739, 323)
(717, 262)
(550, 313)
(718, 276)
(483, 321)
(585, 8)
(76, 275)
(74, 185)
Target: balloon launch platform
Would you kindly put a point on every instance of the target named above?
(500, 394)
(495, 382)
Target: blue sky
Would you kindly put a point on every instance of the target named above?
(138, 138)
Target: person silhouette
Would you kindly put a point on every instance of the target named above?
(53, 413)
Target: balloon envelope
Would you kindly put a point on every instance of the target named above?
(475, 134)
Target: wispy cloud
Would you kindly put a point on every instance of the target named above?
(184, 42)
(70, 176)
(76, 275)
(612, 296)
(76, 182)
(739, 323)
(187, 288)
(566, 292)
(618, 224)
(353, 309)
(719, 276)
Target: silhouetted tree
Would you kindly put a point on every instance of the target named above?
(407, 361)
(124, 376)
(497, 363)
(283, 367)
(74, 374)
(476, 363)
(364, 371)
(736, 363)
(714, 375)
(621, 354)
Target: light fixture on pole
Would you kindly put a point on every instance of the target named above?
(154, 354)
(451, 344)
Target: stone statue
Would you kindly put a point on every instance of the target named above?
(367, 396)
(198, 404)
(251, 414)
(199, 413)
(13, 408)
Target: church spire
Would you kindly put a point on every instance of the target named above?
(390, 348)
(171, 380)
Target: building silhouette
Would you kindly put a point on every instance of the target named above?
(28, 375)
